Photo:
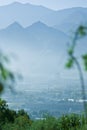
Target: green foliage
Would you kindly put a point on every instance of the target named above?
(3, 105)
(82, 31)
(12, 120)
(5, 73)
(85, 61)
(50, 123)
(69, 64)
(69, 121)
(6, 115)
(22, 113)
(70, 51)
(83, 127)
(1, 87)
(21, 122)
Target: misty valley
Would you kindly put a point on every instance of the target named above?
(36, 39)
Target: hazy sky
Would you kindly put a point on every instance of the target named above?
(54, 4)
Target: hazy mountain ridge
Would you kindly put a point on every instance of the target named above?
(39, 40)
(44, 46)
(38, 33)
(41, 37)
(27, 14)
(77, 17)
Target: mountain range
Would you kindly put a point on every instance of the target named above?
(39, 37)
(27, 14)
(38, 46)
(36, 40)
(38, 34)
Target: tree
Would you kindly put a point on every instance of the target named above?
(80, 33)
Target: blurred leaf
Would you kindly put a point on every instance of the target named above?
(85, 61)
(69, 64)
(70, 51)
(82, 31)
(4, 74)
(1, 66)
(1, 87)
(84, 56)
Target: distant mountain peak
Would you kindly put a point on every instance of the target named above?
(18, 3)
(39, 24)
(15, 25)
(28, 4)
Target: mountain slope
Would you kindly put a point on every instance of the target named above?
(72, 19)
(27, 14)
(38, 34)
(40, 49)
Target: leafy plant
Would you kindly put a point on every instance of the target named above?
(80, 33)
(6, 76)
